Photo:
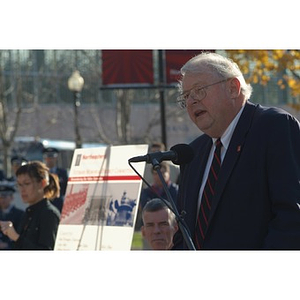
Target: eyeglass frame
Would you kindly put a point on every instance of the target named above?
(182, 102)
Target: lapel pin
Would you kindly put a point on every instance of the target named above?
(238, 149)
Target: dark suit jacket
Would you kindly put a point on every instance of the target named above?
(257, 196)
(63, 180)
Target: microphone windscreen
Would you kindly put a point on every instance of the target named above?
(184, 152)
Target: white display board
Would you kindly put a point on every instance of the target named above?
(101, 200)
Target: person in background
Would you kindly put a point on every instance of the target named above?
(2, 175)
(174, 169)
(156, 190)
(39, 225)
(16, 162)
(8, 212)
(50, 156)
(246, 194)
(159, 225)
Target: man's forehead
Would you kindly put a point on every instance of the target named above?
(157, 216)
(191, 80)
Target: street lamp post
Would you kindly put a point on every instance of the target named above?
(75, 85)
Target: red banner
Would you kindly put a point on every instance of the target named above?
(127, 67)
(175, 59)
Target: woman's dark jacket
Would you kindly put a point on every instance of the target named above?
(38, 227)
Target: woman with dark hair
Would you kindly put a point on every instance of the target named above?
(39, 225)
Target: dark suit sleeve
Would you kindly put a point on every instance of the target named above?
(283, 164)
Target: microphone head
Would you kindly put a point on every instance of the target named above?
(184, 152)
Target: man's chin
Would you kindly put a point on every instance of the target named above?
(159, 245)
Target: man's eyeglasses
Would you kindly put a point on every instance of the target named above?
(197, 93)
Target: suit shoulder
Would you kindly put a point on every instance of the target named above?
(272, 111)
(62, 171)
(50, 209)
(274, 116)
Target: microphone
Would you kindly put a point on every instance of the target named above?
(178, 154)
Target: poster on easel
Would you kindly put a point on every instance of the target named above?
(101, 200)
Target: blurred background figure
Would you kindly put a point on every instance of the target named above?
(2, 175)
(50, 156)
(16, 162)
(157, 186)
(174, 169)
(159, 225)
(8, 212)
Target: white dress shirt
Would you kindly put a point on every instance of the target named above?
(225, 140)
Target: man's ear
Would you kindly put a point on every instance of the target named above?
(176, 227)
(234, 87)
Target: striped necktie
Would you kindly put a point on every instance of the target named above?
(207, 196)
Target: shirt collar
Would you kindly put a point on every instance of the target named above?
(226, 137)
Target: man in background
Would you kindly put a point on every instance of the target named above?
(8, 212)
(16, 162)
(159, 225)
(50, 156)
(174, 169)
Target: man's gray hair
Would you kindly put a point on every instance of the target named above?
(157, 204)
(217, 66)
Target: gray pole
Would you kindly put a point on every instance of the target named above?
(162, 82)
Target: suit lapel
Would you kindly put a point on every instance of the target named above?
(194, 177)
(233, 153)
(201, 163)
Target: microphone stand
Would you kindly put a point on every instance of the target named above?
(181, 224)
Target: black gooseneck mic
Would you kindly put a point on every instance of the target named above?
(178, 154)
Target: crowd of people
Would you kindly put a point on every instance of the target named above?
(241, 190)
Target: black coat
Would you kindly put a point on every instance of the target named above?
(39, 227)
(257, 195)
(151, 193)
(15, 216)
(63, 179)
(63, 182)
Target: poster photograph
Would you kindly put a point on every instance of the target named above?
(101, 201)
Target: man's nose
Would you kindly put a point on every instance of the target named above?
(192, 99)
(156, 228)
